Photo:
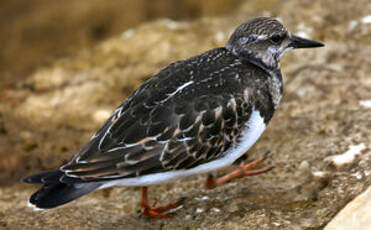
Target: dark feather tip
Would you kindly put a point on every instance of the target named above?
(271, 167)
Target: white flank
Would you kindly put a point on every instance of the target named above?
(254, 128)
(34, 207)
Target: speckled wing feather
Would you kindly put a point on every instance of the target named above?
(186, 115)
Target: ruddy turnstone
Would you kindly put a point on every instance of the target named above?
(195, 116)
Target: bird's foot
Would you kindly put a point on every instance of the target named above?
(243, 170)
(158, 212)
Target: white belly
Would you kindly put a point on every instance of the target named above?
(254, 128)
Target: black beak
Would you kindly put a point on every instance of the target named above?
(298, 42)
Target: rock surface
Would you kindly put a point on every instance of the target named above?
(356, 215)
(47, 117)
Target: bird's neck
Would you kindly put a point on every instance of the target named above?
(275, 84)
(274, 81)
(265, 61)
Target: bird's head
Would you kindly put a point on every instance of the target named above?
(264, 40)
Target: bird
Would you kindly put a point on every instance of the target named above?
(195, 116)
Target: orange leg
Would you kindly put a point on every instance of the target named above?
(242, 171)
(158, 212)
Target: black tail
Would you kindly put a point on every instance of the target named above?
(54, 193)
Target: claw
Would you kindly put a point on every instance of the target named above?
(271, 167)
(165, 211)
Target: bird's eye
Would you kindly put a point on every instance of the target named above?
(276, 38)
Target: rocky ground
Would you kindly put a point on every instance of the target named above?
(320, 137)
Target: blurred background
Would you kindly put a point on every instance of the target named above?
(65, 65)
(33, 33)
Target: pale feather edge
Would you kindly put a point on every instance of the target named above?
(255, 128)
